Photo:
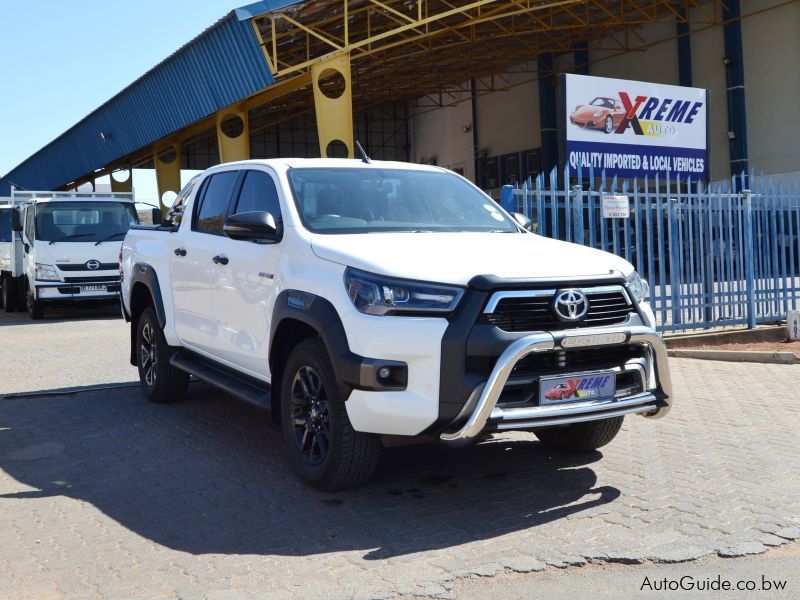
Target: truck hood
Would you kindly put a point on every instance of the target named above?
(76, 253)
(456, 258)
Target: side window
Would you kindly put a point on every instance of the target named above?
(29, 223)
(259, 194)
(175, 213)
(213, 209)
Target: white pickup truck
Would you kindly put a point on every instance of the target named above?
(372, 303)
(63, 248)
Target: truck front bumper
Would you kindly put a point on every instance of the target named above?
(482, 412)
(70, 292)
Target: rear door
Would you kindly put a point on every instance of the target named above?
(192, 262)
(245, 291)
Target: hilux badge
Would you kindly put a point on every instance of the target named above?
(571, 305)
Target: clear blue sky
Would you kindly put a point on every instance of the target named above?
(60, 59)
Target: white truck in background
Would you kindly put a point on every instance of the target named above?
(8, 290)
(64, 248)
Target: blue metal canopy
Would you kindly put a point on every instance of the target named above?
(221, 66)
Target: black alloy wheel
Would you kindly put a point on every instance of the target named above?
(311, 422)
(148, 354)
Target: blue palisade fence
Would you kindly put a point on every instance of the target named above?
(718, 255)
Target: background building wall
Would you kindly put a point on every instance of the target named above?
(508, 119)
(438, 136)
(771, 48)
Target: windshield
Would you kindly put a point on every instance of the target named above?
(604, 102)
(5, 225)
(372, 200)
(84, 221)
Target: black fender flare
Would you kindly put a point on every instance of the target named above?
(145, 274)
(351, 370)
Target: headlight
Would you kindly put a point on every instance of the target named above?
(597, 114)
(46, 273)
(639, 288)
(379, 295)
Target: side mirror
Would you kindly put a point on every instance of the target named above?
(16, 220)
(523, 221)
(156, 212)
(252, 226)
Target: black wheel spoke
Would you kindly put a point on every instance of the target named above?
(310, 416)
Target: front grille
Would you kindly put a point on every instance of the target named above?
(535, 313)
(565, 361)
(82, 267)
(100, 279)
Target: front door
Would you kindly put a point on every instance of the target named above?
(192, 262)
(245, 293)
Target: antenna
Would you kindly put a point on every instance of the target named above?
(364, 157)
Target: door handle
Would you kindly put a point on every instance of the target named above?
(220, 260)
(180, 251)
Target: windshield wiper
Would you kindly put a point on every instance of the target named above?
(109, 238)
(69, 237)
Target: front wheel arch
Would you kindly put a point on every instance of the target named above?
(287, 336)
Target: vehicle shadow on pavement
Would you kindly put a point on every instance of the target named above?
(64, 315)
(207, 475)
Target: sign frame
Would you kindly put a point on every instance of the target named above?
(668, 153)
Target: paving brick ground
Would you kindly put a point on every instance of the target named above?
(103, 494)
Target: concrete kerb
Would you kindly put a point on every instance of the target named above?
(769, 333)
(753, 356)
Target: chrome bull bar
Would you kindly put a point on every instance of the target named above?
(655, 401)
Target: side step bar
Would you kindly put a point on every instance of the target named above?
(245, 388)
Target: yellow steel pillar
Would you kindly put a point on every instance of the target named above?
(333, 101)
(118, 184)
(233, 135)
(168, 171)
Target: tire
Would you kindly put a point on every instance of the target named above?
(35, 308)
(321, 445)
(21, 286)
(580, 437)
(9, 294)
(609, 125)
(161, 382)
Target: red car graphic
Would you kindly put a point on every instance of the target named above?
(562, 391)
(600, 113)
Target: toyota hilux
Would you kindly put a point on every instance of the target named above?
(370, 303)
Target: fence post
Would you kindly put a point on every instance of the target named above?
(507, 198)
(577, 214)
(747, 198)
(674, 251)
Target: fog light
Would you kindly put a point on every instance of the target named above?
(384, 373)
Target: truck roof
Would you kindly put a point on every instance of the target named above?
(19, 197)
(331, 163)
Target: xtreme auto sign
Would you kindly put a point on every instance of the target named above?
(635, 128)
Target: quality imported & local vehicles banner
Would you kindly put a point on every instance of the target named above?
(634, 128)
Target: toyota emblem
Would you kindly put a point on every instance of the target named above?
(93, 265)
(571, 305)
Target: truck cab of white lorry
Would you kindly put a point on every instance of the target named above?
(65, 248)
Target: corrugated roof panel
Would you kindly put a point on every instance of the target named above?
(220, 67)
